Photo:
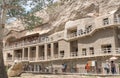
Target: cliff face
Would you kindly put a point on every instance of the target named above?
(65, 10)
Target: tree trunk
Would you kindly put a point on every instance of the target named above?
(3, 73)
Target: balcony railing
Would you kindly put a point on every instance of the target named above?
(73, 54)
(49, 57)
(21, 44)
(21, 59)
(89, 30)
(25, 59)
(17, 58)
(81, 32)
(61, 56)
(72, 35)
(109, 22)
(9, 59)
(117, 20)
(97, 52)
(56, 55)
(118, 51)
(32, 59)
(26, 42)
(41, 58)
(106, 50)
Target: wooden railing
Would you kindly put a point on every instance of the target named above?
(41, 58)
(73, 54)
(98, 52)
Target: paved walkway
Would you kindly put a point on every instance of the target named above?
(61, 76)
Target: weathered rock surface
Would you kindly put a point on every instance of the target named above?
(78, 9)
(68, 10)
(15, 69)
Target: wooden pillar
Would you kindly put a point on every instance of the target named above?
(13, 55)
(28, 53)
(45, 51)
(37, 52)
(23, 53)
(52, 50)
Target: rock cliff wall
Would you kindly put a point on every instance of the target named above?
(78, 9)
(63, 11)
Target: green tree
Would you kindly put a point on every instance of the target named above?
(16, 9)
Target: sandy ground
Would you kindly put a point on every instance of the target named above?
(61, 76)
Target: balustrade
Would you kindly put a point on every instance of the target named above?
(98, 52)
(55, 55)
(32, 59)
(9, 59)
(41, 58)
(74, 54)
(48, 57)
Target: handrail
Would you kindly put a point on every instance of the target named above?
(94, 28)
(23, 43)
(73, 54)
(97, 52)
(41, 58)
(72, 35)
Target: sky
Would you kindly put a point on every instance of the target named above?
(28, 8)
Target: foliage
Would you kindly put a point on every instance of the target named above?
(28, 18)
(31, 20)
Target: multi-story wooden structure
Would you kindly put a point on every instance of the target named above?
(83, 40)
